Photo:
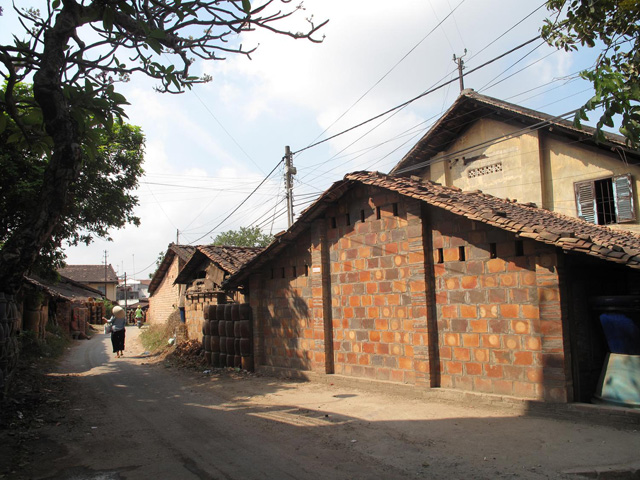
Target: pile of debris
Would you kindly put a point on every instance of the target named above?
(186, 354)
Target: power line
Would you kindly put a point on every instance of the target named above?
(241, 203)
(424, 94)
(386, 74)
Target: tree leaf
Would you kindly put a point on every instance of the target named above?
(246, 6)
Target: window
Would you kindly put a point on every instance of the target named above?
(605, 201)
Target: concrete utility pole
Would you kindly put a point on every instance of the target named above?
(460, 63)
(289, 172)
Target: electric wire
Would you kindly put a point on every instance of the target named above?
(424, 94)
(241, 203)
(386, 74)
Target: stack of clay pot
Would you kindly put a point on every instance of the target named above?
(227, 338)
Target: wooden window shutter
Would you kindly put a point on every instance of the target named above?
(623, 192)
(586, 201)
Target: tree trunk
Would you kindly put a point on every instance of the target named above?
(23, 247)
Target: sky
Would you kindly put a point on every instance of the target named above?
(209, 148)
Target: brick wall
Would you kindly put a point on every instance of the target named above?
(287, 306)
(164, 300)
(499, 314)
(400, 291)
(378, 287)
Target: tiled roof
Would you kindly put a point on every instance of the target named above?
(183, 252)
(228, 258)
(89, 273)
(528, 221)
(471, 106)
(65, 289)
(525, 220)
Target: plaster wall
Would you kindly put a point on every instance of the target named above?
(569, 163)
(509, 169)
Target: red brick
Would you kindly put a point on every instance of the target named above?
(501, 357)
(417, 286)
(449, 311)
(451, 254)
(481, 355)
(488, 311)
(479, 326)
(520, 327)
(374, 336)
(528, 279)
(530, 311)
(382, 348)
(454, 368)
(491, 341)
(452, 283)
(387, 337)
(496, 265)
(382, 324)
(452, 339)
(508, 280)
(489, 281)
(470, 339)
(473, 368)
(493, 371)
(523, 358)
(535, 375)
(469, 282)
(405, 363)
(510, 311)
(551, 328)
(462, 354)
(512, 342)
(468, 311)
(482, 384)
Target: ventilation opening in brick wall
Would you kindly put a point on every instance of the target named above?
(378, 214)
(440, 256)
(493, 250)
(295, 272)
(362, 216)
(306, 270)
(333, 222)
(348, 219)
(395, 209)
(519, 248)
(462, 255)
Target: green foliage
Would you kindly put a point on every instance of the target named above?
(52, 346)
(614, 26)
(70, 134)
(245, 237)
(158, 263)
(102, 194)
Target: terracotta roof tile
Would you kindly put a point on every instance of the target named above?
(229, 258)
(568, 233)
(89, 273)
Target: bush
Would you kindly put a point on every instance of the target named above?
(53, 345)
(156, 337)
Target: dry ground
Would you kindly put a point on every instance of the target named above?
(138, 417)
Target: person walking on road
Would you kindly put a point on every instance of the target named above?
(117, 322)
(138, 316)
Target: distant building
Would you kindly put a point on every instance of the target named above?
(102, 278)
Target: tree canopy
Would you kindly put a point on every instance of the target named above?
(103, 191)
(244, 237)
(613, 26)
(75, 52)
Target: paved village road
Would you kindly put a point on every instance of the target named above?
(132, 418)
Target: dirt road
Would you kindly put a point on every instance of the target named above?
(131, 418)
